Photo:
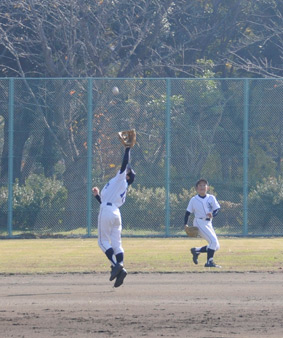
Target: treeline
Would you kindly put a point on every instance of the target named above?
(141, 39)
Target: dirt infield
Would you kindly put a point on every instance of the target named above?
(209, 304)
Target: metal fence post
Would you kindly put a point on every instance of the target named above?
(10, 158)
(167, 157)
(245, 156)
(89, 156)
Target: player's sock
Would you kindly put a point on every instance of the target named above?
(120, 258)
(210, 254)
(201, 249)
(110, 255)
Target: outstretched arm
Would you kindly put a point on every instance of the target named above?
(126, 159)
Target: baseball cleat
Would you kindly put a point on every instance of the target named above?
(115, 270)
(195, 255)
(120, 278)
(211, 264)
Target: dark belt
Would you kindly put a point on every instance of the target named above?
(108, 203)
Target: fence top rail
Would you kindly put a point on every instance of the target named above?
(138, 79)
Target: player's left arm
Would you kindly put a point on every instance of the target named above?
(215, 212)
(216, 207)
(126, 159)
(95, 192)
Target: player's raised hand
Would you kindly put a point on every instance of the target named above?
(95, 191)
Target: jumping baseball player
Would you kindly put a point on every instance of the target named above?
(112, 197)
(204, 207)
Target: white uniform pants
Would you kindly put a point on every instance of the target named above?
(207, 232)
(110, 228)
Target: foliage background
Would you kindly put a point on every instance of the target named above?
(53, 47)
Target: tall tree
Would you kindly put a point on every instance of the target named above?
(71, 39)
(127, 38)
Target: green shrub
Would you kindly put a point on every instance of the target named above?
(38, 195)
(145, 209)
(230, 218)
(265, 203)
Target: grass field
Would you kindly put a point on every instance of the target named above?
(141, 255)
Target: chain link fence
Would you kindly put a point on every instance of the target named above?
(58, 138)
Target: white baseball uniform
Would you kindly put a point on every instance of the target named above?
(200, 207)
(113, 196)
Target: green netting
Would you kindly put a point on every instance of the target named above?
(64, 134)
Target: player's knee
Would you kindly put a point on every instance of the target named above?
(104, 245)
(214, 245)
(99, 244)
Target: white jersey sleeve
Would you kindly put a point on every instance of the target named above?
(190, 207)
(213, 203)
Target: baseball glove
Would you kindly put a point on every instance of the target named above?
(191, 231)
(128, 137)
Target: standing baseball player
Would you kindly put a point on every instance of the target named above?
(112, 197)
(204, 207)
